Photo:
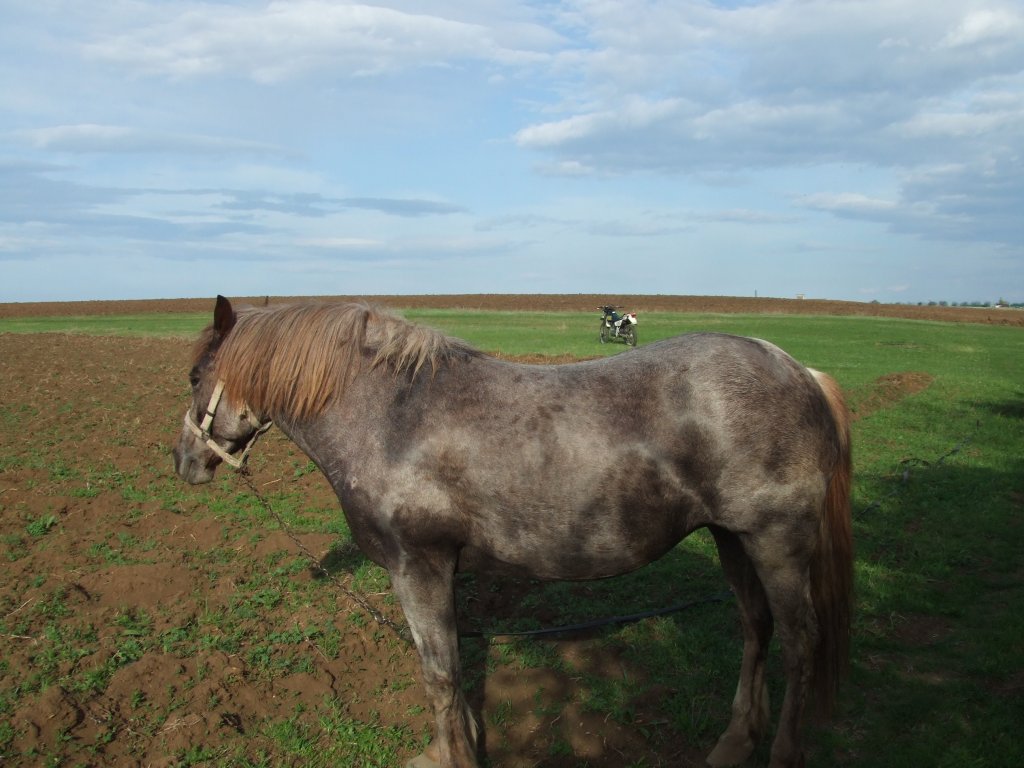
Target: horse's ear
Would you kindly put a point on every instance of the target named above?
(223, 316)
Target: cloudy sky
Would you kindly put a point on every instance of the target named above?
(852, 149)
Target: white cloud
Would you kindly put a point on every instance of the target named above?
(118, 139)
(851, 203)
(986, 26)
(565, 168)
(984, 114)
(342, 243)
(281, 40)
(633, 114)
(977, 201)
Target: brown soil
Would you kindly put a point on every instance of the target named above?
(85, 429)
(886, 391)
(556, 303)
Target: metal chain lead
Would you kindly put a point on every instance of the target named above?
(401, 631)
(906, 465)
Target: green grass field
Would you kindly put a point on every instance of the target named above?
(937, 674)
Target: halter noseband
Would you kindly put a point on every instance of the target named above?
(202, 431)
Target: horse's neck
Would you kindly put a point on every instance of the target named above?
(337, 432)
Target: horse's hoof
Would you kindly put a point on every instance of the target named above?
(730, 750)
(423, 761)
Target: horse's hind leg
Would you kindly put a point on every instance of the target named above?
(750, 709)
(784, 573)
(425, 587)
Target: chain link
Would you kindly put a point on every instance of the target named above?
(401, 631)
(906, 465)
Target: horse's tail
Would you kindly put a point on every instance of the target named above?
(832, 565)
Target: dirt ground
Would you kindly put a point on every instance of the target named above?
(557, 303)
(86, 425)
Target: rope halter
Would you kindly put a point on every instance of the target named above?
(202, 431)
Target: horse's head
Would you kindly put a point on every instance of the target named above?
(216, 429)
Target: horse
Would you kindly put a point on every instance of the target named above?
(446, 459)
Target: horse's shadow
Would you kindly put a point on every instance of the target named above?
(542, 695)
(1011, 407)
(344, 558)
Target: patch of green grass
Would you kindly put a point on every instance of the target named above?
(41, 525)
(181, 324)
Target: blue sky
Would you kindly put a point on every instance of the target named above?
(848, 149)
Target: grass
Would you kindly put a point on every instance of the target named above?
(938, 657)
(154, 324)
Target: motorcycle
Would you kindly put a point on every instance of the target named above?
(616, 326)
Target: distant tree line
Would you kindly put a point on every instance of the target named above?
(976, 304)
(981, 304)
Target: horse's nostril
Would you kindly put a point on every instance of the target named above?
(179, 462)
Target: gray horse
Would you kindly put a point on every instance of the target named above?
(445, 459)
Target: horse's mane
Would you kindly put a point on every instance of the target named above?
(294, 360)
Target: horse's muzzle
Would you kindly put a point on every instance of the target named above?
(194, 468)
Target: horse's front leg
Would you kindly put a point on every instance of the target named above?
(425, 585)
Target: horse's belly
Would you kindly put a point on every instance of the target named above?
(589, 552)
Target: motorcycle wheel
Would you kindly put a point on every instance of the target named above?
(604, 333)
(631, 336)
